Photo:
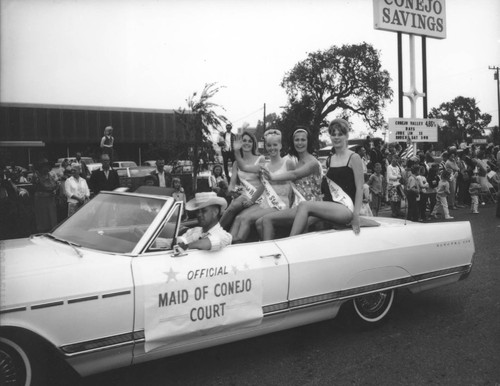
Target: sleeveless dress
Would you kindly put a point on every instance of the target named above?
(343, 176)
(310, 186)
(250, 177)
(282, 188)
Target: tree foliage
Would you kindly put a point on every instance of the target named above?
(199, 118)
(346, 80)
(462, 120)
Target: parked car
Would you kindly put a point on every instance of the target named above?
(133, 177)
(149, 163)
(123, 164)
(110, 288)
(87, 160)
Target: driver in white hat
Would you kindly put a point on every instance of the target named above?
(209, 235)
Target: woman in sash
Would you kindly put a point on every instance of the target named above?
(342, 187)
(275, 195)
(306, 176)
(250, 188)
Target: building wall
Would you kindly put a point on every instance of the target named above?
(80, 128)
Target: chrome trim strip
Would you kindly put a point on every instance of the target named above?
(97, 344)
(13, 310)
(46, 305)
(85, 299)
(113, 294)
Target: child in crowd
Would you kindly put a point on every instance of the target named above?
(443, 190)
(475, 191)
(423, 185)
(375, 185)
(365, 206)
(413, 192)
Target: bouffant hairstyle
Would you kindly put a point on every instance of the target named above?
(254, 142)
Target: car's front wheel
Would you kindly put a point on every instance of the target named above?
(372, 308)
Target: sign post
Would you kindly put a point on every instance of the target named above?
(424, 18)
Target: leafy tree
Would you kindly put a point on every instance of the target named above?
(462, 120)
(346, 80)
(494, 136)
(200, 117)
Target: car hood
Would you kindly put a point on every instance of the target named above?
(35, 255)
(40, 268)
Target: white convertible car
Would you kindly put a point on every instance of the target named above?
(107, 288)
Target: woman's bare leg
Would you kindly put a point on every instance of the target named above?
(326, 210)
(230, 213)
(267, 224)
(249, 219)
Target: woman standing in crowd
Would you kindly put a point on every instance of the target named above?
(276, 193)
(45, 197)
(452, 167)
(216, 177)
(433, 181)
(394, 176)
(250, 183)
(343, 188)
(306, 178)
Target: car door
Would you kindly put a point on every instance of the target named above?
(200, 298)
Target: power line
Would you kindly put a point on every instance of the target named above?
(252, 113)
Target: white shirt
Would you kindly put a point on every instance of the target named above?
(218, 237)
(227, 139)
(393, 174)
(76, 188)
(161, 180)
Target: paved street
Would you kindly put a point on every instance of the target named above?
(446, 336)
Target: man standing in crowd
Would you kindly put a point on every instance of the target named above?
(77, 190)
(84, 170)
(226, 142)
(105, 178)
(160, 176)
(209, 235)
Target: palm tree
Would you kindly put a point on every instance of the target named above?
(198, 119)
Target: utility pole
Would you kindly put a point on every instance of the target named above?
(264, 121)
(497, 78)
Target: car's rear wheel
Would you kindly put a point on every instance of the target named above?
(372, 308)
(15, 366)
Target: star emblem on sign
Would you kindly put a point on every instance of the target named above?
(234, 269)
(171, 275)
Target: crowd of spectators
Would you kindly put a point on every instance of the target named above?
(425, 179)
(34, 200)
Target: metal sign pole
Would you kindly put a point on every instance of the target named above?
(413, 94)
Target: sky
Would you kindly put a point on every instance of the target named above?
(155, 54)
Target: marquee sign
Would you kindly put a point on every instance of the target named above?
(417, 17)
(414, 129)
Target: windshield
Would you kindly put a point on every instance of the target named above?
(110, 222)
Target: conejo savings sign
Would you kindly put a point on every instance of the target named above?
(417, 17)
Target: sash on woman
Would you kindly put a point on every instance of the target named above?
(272, 198)
(248, 190)
(338, 195)
(297, 197)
